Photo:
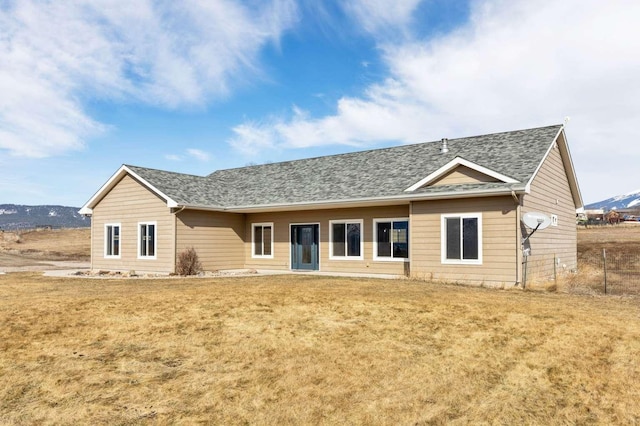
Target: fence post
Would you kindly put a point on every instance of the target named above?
(524, 280)
(604, 259)
(555, 271)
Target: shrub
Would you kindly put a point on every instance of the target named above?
(188, 262)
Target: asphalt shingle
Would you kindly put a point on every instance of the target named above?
(358, 175)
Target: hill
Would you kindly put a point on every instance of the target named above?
(13, 216)
(625, 201)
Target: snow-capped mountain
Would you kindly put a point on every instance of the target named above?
(13, 216)
(626, 201)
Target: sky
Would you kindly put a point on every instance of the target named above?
(196, 86)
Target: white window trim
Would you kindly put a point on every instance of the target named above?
(451, 165)
(155, 240)
(253, 241)
(111, 256)
(346, 257)
(375, 240)
(443, 239)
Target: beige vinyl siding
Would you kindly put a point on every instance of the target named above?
(463, 174)
(550, 194)
(129, 203)
(281, 228)
(499, 241)
(217, 238)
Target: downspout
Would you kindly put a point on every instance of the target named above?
(91, 251)
(516, 198)
(408, 272)
(178, 211)
(175, 235)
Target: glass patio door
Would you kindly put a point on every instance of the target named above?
(304, 247)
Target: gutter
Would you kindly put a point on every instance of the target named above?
(357, 202)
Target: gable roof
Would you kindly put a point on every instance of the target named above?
(452, 165)
(359, 178)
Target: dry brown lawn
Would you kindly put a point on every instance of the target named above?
(35, 245)
(624, 238)
(622, 244)
(311, 350)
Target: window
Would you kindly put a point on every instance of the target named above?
(112, 240)
(346, 239)
(462, 238)
(262, 240)
(147, 240)
(391, 239)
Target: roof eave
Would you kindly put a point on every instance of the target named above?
(371, 201)
(201, 207)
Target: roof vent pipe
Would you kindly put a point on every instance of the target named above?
(445, 147)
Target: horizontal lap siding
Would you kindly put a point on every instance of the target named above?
(551, 194)
(217, 238)
(283, 220)
(499, 241)
(129, 203)
(463, 174)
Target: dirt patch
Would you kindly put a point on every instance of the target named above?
(39, 250)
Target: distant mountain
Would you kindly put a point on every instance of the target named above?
(14, 216)
(625, 201)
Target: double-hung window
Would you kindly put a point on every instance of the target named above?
(462, 238)
(112, 240)
(262, 240)
(147, 240)
(391, 239)
(346, 239)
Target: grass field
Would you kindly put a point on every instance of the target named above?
(30, 248)
(311, 350)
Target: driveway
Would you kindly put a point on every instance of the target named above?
(16, 263)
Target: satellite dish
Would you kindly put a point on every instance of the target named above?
(535, 220)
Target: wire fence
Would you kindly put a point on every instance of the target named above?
(610, 271)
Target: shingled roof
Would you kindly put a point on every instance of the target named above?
(366, 175)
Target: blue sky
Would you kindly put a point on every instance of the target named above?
(193, 87)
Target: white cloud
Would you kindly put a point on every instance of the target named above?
(194, 153)
(252, 138)
(382, 15)
(58, 55)
(198, 154)
(515, 64)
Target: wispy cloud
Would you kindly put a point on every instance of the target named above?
(58, 55)
(382, 16)
(198, 154)
(193, 153)
(514, 64)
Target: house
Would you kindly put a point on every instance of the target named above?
(448, 210)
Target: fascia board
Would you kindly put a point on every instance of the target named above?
(571, 171)
(459, 161)
(563, 146)
(87, 209)
(362, 202)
